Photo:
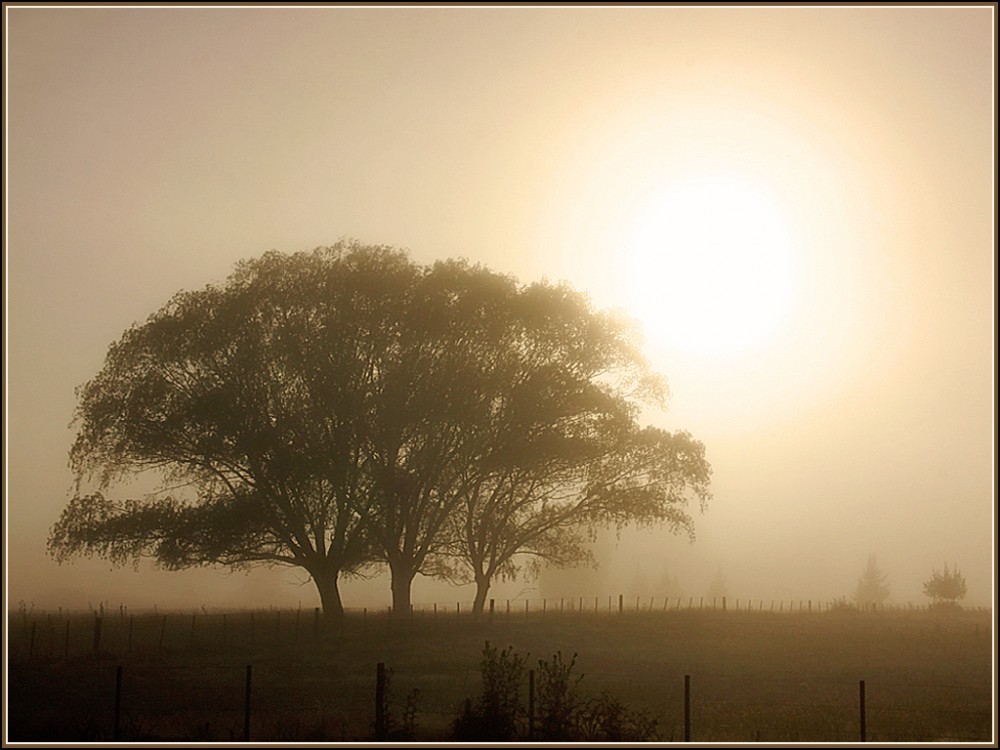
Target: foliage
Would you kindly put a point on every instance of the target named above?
(400, 719)
(546, 508)
(872, 589)
(561, 712)
(498, 710)
(842, 605)
(945, 588)
(348, 407)
(606, 719)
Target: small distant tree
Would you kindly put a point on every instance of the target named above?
(872, 589)
(945, 588)
(718, 589)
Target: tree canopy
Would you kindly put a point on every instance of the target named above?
(945, 588)
(348, 407)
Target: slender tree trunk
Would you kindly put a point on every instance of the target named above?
(402, 579)
(482, 589)
(329, 596)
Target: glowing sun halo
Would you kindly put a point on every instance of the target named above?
(710, 265)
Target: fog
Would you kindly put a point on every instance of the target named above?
(150, 149)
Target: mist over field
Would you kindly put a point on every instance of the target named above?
(837, 360)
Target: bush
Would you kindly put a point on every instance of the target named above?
(945, 588)
(561, 713)
(496, 714)
(606, 719)
(557, 701)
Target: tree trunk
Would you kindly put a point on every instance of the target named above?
(329, 596)
(482, 589)
(402, 578)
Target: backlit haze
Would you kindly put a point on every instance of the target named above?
(796, 204)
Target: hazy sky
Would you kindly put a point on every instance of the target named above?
(836, 356)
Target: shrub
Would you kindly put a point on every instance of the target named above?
(496, 714)
(561, 713)
(945, 588)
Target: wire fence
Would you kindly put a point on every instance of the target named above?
(226, 702)
(65, 633)
(291, 675)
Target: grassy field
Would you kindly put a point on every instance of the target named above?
(755, 676)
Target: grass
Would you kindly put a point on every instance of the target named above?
(755, 676)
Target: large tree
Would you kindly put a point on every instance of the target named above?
(334, 410)
(251, 399)
(483, 377)
(545, 508)
(512, 429)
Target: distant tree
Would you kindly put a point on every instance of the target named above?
(872, 589)
(718, 588)
(945, 588)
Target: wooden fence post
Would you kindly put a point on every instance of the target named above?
(116, 730)
(246, 703)
(861, 700)
(381, 726)
(131, 624)
(621, 604)
(531, 704)
(492, 601)
(687, 708)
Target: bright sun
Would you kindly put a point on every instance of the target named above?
(711, 265)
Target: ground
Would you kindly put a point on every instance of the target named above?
(755, 675)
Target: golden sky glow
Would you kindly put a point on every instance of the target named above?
(796, 203)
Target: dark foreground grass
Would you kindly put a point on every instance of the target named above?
(755, 676)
